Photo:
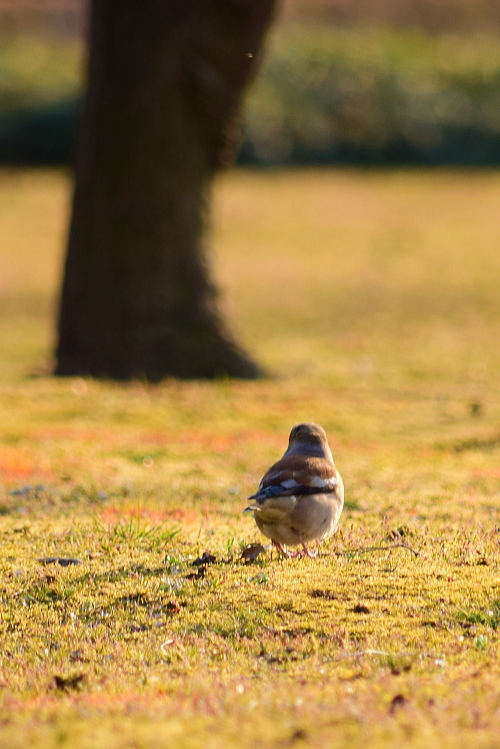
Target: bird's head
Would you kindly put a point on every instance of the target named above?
(309, 439)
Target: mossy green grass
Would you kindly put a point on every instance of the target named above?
(372, 298)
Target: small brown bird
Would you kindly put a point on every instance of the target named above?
(300, 498)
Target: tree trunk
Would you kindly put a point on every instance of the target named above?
(165, 81)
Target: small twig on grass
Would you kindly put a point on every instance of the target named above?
(409, 654)
(364, 550)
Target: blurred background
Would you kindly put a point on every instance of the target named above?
(410, 251)
(365, 82)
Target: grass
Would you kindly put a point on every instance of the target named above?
(373, 296)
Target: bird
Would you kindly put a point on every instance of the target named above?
(301, 497)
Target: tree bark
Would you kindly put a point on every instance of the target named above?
(165, 81)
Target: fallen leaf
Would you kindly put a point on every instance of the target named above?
(397, 702)
(328, 595)
(77, 655)
(173, 607)
(205, 559)
(63, 561)
(198, 575)
(66, 683)
(251, 552)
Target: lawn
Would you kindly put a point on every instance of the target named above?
(373, 299)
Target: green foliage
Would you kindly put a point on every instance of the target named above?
(490, 617)
(325, 94)
(135, 530)
(375, 95)
(38, 70)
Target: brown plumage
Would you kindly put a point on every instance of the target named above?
(300, 498)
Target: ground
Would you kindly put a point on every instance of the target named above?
(372, 299)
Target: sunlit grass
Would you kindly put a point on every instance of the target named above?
(373, 297)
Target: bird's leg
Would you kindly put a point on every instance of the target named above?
(285, 551)
(306, 552)
(280, 548)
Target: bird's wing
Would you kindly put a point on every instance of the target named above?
(296, 475)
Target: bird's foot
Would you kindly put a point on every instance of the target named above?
(305, 552)
(283, 550)
(308, 553)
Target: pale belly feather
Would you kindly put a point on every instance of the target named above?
(292, 520)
